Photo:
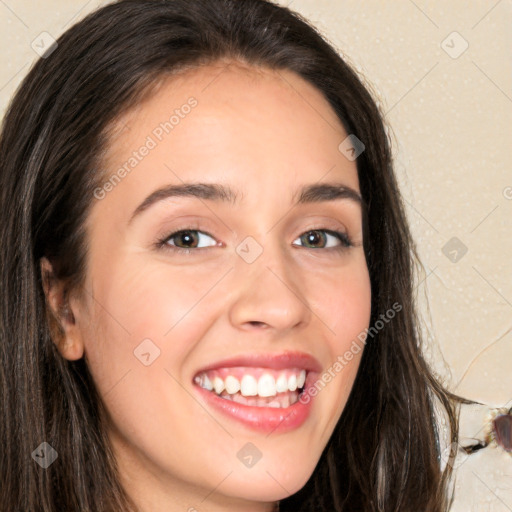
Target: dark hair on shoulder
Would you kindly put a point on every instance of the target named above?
(384, 453)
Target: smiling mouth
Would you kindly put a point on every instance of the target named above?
(256, 387)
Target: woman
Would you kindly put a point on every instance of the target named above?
(143, 371)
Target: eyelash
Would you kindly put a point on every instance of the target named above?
(163, 244)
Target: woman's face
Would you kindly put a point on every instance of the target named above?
(255, 279)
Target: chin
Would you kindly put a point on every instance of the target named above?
(271, 483)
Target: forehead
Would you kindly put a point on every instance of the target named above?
(255, 127)
(231, 95)
(225, 83)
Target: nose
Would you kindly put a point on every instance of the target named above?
(267, 294)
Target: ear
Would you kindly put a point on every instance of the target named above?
(64, 329)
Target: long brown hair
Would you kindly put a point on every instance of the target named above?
(384, 454)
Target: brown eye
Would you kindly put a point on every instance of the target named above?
(187, 239)
(312, 238)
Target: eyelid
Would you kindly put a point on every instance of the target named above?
(326, 225)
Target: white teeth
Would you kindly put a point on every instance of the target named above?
(292, 382)
(218, 384)
(204, 381)
(281, 384)
(266, 385)
(248, 386)
(232, 385)
(302, 379)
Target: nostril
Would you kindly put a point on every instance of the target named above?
(256, 323)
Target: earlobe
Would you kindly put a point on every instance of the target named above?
(62, 324)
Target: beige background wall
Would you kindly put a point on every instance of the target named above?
(442, 73)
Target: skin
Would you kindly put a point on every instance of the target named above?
(264, 133)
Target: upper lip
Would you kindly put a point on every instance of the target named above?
(278, 361)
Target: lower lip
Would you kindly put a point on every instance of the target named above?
(267, 419)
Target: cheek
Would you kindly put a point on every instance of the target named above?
(159, 297)
(145, 325)
(343, 303)
(342, 300)
(151, 300)
(145, 309)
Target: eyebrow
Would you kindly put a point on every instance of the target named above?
(314, 193)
